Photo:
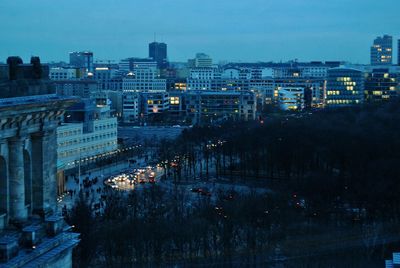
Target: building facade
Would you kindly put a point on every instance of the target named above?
(83, 59)
(204, 106)
(382, 50)
(381, 84)
(158, 52)
(291, 98)
(84, 88)
(345, 87)
(32, 231)
(88, 132)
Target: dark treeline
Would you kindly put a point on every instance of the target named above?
(157, 227)
(334, 158)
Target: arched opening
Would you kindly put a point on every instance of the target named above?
(28, 180)
(3, 186)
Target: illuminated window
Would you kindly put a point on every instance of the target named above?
(174, 100)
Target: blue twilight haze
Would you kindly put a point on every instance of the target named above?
(253, 30)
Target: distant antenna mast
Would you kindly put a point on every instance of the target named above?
(155, 37)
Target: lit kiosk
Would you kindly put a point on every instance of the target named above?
(32, 232)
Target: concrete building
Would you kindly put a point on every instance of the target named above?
(113, 98)
(131, 106)
(144, 79)
(59, 73)
(297, 70)
(83, 59)
(130, 64)
(264, 90)
(201, 78)
(201, 60)
(32, 232)
(315, 87)
(158, 52)
(381, 84)
(204, 106)
(154, 103)
(291, 98)
(88, 132)
(345, 86)
(106, 78)
(382, 50)
(84, 88)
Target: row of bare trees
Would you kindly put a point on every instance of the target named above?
(156, 226)
(349, 156)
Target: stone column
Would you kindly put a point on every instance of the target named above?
(44, 182)
(18, 211)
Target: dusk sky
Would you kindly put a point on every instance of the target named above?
(252, 30)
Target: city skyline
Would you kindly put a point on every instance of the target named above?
(255, 30)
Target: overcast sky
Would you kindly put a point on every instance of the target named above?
(234, 30)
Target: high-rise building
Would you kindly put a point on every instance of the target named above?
(158, 52)
(382, 50)
(345, 87)
(398, 52)
(82, 60)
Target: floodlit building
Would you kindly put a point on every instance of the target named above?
(88, 132)
(382, 50)
(345, 87)
(291, 98)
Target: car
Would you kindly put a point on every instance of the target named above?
(196, 190)
(205, 193)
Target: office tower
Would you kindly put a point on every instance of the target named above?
(158, 52)
(380, 84)
(32, 231)
(82, 60)
(398, 52)
(382, 50)
(344, 87)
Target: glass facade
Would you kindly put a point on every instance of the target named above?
(344, 87)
